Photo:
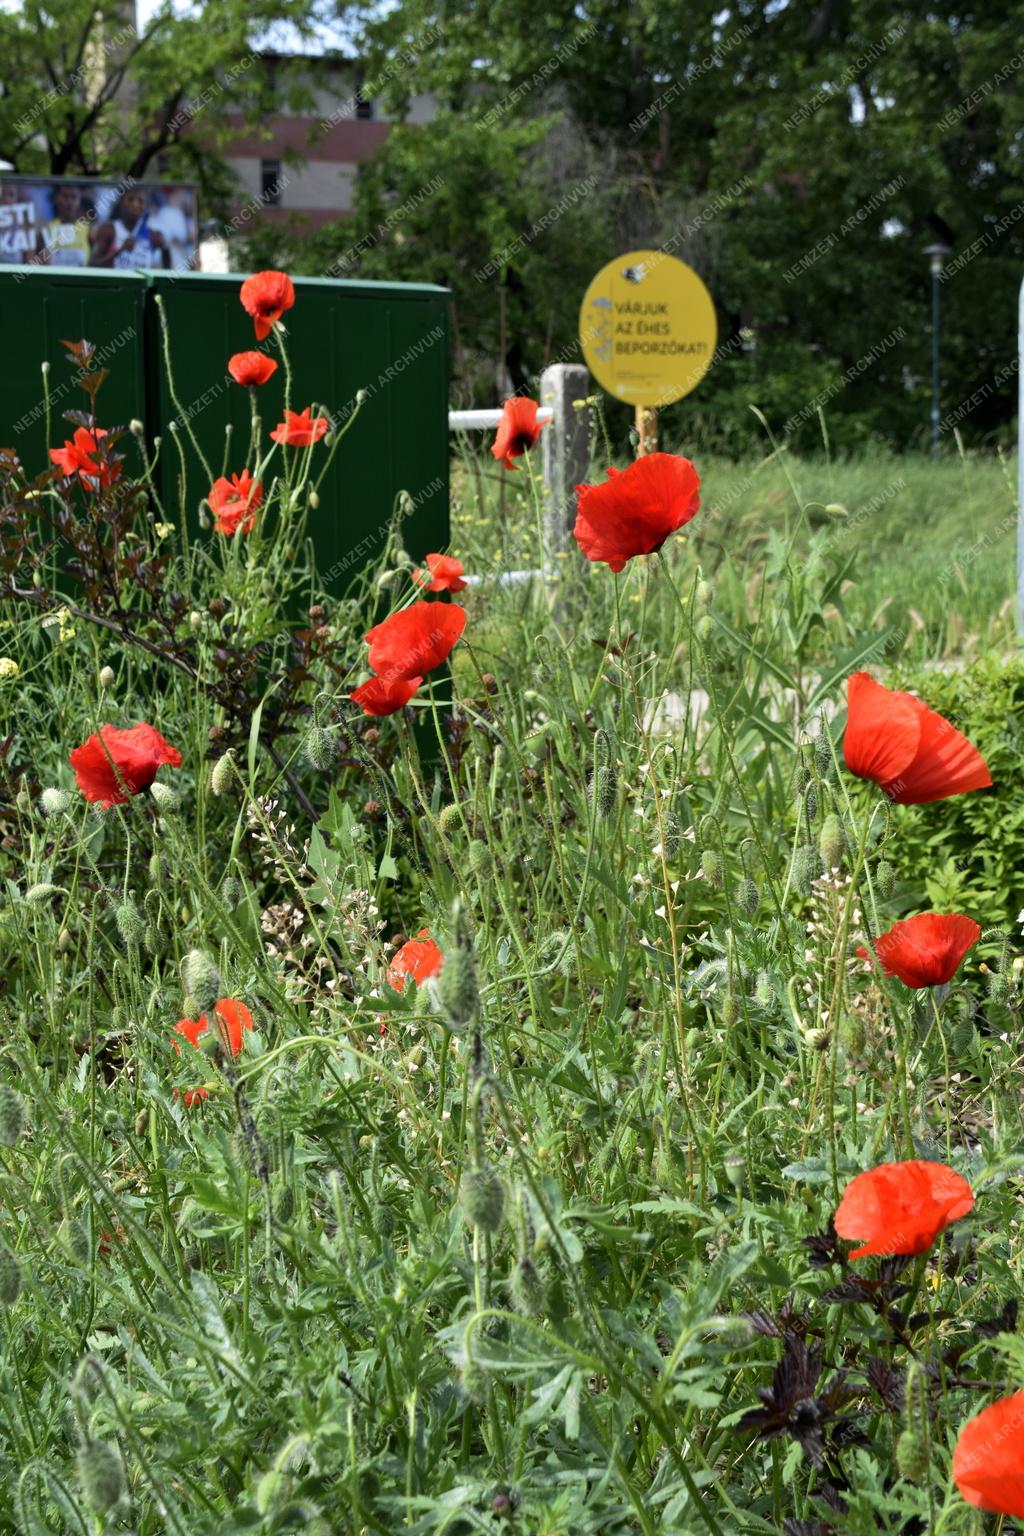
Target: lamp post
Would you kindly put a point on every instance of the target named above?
(937, 254)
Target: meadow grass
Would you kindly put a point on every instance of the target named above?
(516, 1250)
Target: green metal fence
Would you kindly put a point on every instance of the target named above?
(387, 339)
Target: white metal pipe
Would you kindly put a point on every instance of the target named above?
(467, 419)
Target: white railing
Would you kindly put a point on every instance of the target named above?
(463, 421)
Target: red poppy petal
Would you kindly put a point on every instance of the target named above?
(883, 730)
(946, 764)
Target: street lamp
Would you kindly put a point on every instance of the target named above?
(937, 255)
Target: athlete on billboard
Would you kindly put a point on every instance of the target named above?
(128, 240)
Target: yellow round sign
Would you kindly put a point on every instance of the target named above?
(648, 328)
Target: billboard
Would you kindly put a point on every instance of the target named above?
(67, 221)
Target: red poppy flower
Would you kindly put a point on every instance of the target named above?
(906, 748)
(266, 296)
(79, 457)
(925, 951)
(634, 512)
(110, 770)
(415, 640)
(518, 430)
(298, 429)
(378, 697)
(234, 1016)
(901, 1207)
(251, 368)
(234, 503)
(419, 959)
(988, 1462)
(444, 574)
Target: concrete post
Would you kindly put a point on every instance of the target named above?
(565, 447)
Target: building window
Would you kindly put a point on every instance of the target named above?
(270, 182)
(364, 106)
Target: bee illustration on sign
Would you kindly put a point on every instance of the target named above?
(635, 274)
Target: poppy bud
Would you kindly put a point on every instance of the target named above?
(10, 1278)
(672, 837)
(129, 924)
(998, 986)
(852, 1035)
(314, 499)
(707, 832)
(74, 1237)
(705, 594)
(474, 1381)
(480, 860)
(885, 878)
(526, 1289)
(195, 619)
(831, 841)
(823, 759)
(153, 941)
(457, 992)
(804, 868)
(106, 678)
(811, 800)
(12, 1115)
(222, 774)
(100, 1475)
(450, 819)
(482, 1197)
(230, 892)
(54, 801)
(763, 990)
(135, 427)
(912, 1456)
(705, 627)
(164, 797)
(747, 897)
(711, 867)
(729, 1011)
(284, 1205)
(603, 790)
(64, 941)
(201, 980)
(319, 748)
(142, 1122)
(735, 1166)
(37, 894)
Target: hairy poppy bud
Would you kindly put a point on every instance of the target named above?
(735, 1166)
(747, 896)
(100, 1475)
(603, 789)
(852, 1034)
(129, 924)
(10, 1278)
(64, 941)
(998, 986)
(811, 800)
(480, 860)
(222, 774)
(885, 878)
(319, 748)
(705, 627)
(672, 837)
(37, 894)
(12, 1115)
(823, 759)
(106, 678)
(314, 498)
(801, 775)
(729, 1011)
(153, 941)
(831, 842)
(763, 990)
(142, 1123)
(804, 868)
(164, 797)
(195, 620)
(201, 980)
(474, 1382)
(705, 594)
(230, 892)
(912, 1457)
(711, 868)
(482, 1197)
(54, 801)
(526, 1289)
(135, 427)
(450, 819)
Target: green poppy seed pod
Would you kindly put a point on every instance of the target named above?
(912, 1456)
(450, 819)
(885, 878)
(705, 594)
(482, 1197)
(705, 627)
(201, 980)
(764, 992)
(36, 895)
(603, 790)
(823, 759)
(729, 1011)
(230, 892)
(735, 1166)
(284, 1205)
(129, 924)
(526, 1289)
(100, 1475)
(164, 797)
(962, 1038)
(831, 841)
(853, 1035)
(12, 1115)
(747, 896)
(711, 868)
(480, 861)
(474, 1382)
(10, 1278)
(54, 802)
(804, 868)
(319, 748)
(811, 800)
(222, 774)
(457, 992)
